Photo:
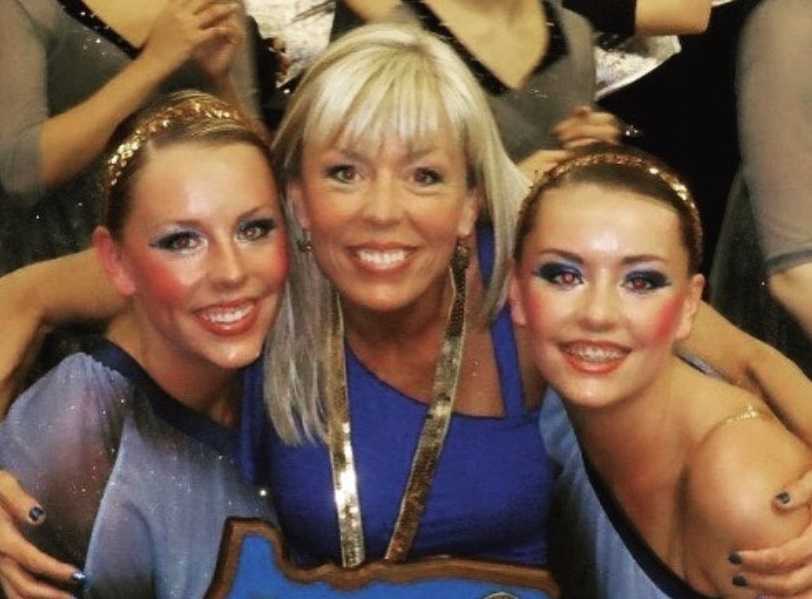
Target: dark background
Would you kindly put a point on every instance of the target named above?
(687, 111)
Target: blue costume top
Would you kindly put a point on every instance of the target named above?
(599, 554)
(490, 495)
(136, 486)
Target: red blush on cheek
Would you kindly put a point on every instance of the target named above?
(668, 318)
(164, 283)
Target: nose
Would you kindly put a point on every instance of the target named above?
(600, 306)
(383, 201)
(226, 265)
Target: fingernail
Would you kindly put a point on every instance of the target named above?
(783, 497)
(739, 581)
(78, 578)
(36, 514)
(734, 558)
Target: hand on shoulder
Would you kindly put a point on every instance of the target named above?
(731, 478)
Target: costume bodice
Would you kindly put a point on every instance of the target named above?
(489, 497)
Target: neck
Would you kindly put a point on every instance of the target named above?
(460, 11)
(194, 382)
(615, 437)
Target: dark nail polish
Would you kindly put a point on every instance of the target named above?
(783, 497)
(734, 558)
(78, 578)
(36, 514)
(739, 581)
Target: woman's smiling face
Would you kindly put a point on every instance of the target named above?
(604, 289)
(203, 253)
(384, 221)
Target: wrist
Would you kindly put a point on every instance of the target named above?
(27, 287)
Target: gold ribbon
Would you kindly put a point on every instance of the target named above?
(430, 444)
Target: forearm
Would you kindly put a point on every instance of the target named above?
(665, 17)
(753, 365)
(69, 142)
(70, 288)
(792, 288)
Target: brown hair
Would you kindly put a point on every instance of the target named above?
(618, 167)
(181, 117)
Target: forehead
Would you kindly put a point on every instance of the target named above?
(591, 218)
(190, 178)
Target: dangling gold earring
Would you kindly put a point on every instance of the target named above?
(461, 257)
(303, 243)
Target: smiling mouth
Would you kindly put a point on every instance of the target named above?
(381, 259)
(231, 319)
(594, 358)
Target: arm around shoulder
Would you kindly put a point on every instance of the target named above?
(755, 366)
(731, 479)
(42, 295)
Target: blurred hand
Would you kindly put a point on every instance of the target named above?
(786, 570)
(586, 125)
(23, 567)
(185, 27)
(215, 56)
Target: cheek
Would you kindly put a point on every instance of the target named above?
(165, 282)
(664, 321)
(544, 312)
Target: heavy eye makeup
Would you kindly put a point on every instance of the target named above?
(256, 229)
(645, 281)
(561, 274)
(179, 241)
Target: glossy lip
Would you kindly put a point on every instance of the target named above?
(593, 367)
(381, 268)
(238, 327)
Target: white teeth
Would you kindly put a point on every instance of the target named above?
(592, 353)
(382, 258)
(226, 315)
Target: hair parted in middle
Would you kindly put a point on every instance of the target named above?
(379, 82)
(618, 167)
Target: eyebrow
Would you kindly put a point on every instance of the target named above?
(571, 257)
(412, 154)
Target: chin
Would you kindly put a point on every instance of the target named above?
(232, 358)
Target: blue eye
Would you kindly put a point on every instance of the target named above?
(343, 173)
(256, 229)
(644, 281)
(179, 241)
(560, 274)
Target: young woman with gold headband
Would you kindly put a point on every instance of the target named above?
(394, 173)
(130, 448)
(682, 465)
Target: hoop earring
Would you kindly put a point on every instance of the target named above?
(303, 243)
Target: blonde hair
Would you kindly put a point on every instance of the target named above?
(377, 82)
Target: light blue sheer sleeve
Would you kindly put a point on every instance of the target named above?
(60, 440)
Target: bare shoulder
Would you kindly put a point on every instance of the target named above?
(731, 477)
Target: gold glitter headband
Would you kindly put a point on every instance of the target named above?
(195, 108)
(639, 163)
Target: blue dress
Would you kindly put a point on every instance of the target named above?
(597, 552)
(136, 486)
(491, 492)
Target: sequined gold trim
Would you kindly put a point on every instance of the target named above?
(679, 188)
(435, 427)
(345, 483)
(749, 413)
(186, 111)
(430, 444)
